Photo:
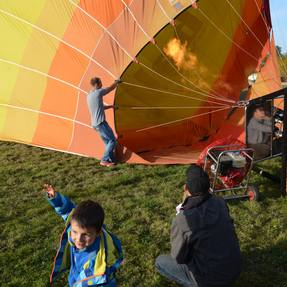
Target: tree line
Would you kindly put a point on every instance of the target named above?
(282, 61)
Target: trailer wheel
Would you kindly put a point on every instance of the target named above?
(253, 193)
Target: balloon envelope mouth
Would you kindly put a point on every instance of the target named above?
(177, 95)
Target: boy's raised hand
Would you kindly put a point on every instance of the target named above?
(50, 191)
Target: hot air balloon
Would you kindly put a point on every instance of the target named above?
(183, 64)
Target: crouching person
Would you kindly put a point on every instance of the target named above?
(87, 248)
(204, 246)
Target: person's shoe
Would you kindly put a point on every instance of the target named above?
(107, 163)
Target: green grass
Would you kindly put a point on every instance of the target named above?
(139, 202)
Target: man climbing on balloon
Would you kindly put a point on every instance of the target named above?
(98, 119)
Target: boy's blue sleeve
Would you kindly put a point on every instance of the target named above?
(62, 205)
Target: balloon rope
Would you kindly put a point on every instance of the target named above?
(171, 108)
(194, 70)
(132, 58)
(83, 91)
(49, 148)
(174, 94)
(103, 27)
(173, 157)
(263, 18)
(45, 74)
(42, 73)
(209, 94)
(173, 23)
(225, 35)
(248, 27)
(267, 28)
(164, 12)
(78, 94)
(58, 39)
(206, 93)
(183, 86)
(181, 120)
(129, 55)
(43, 113)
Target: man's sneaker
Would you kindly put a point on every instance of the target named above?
(107, 163)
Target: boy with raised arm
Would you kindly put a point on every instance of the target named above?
(87, 248)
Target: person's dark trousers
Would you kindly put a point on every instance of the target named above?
(261, 151)
(179, 273)
(109, 139)
(277, 146)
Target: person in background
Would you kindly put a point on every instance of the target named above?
(87, 248)
(98, 119)
(204, 246)
(259, 133)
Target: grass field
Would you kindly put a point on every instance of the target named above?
(139, 202)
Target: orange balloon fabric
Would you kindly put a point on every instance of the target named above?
(183, 64)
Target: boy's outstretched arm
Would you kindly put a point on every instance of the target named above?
(62, 204)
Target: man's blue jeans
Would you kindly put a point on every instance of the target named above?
(109, 139)
(179, 273)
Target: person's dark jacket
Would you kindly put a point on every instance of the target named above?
(203, 237)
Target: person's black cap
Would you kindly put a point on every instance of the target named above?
(197, 180)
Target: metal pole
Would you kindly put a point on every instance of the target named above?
(267, 175)
(284, 150)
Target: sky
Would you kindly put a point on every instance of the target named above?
(279, 22)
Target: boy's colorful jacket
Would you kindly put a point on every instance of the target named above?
(101, 264)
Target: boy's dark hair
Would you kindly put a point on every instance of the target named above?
(197, 180)
(95, 81)
(89, 214)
